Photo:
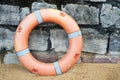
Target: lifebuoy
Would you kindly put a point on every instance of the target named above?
(55, 16)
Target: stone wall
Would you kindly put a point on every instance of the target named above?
(98, 19)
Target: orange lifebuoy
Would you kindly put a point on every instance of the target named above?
(55, 16)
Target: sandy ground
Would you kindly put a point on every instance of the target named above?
(83, 71)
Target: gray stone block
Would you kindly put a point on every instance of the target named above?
(91, 38)
(9, 44)
(115, 59)
(93, 41)
(9, 40)
(9, 15)
(117, 25)
(96, 58)
(42, 5)
(117, 0)
(83, 14)
(102, 59)
(114, 48)
(24, 12)
(59, 40)
(11, 58)
(2, 33)
(6, 39)
(109, 15)
(38, 40)
(9, 34)
(97, 0)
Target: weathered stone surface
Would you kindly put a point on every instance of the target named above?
(24, 12)
(6, 39)
(115, 59)
(109, 15)
(59, 40)
(114, 44)
(97, 0)
(11, 58)
(93, 41)
(91, 38)
(9, 15)
(38, 6)
(102, 59)
(9, 44)
(45, 56)
(9, 40)
(117, 25)
(96, 58)
(83, 14)
(2, 33)
(61, 2)
(117, 0)
(38, 40)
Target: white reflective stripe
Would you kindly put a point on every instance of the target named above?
(57, 68)
(38, 16)
(74, 34)
(23, 52)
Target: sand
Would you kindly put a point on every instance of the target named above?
(83, 71)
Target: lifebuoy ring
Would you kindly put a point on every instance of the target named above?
(55, 16)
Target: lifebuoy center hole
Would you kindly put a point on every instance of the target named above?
(50, 54)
